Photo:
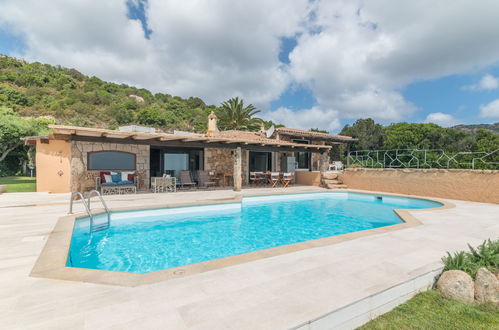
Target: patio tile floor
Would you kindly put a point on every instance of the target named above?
(279, 292)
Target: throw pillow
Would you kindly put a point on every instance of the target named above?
(107, 178)
(116, 177)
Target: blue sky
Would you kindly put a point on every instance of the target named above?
(324, 69)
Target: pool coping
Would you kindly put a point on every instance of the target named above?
(51, 262)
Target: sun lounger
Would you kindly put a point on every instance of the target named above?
(186, 179)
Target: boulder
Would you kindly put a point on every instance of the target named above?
(329, 175)
(486, 287)
(456, 284)
(3, 188)
(136, 98)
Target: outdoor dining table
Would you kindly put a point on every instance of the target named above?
(225, 178)
(263, 178)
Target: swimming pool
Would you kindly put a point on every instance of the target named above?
(150, 240)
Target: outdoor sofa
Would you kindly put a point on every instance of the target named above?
(117, 183)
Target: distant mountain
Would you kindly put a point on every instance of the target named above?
(472, 128)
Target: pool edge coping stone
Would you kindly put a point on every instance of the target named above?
(52, 260)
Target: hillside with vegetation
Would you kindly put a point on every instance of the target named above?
(36, 89)
(474, 128)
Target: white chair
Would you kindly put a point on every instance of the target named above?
(275, 178)
(286, 179)
(336, 166)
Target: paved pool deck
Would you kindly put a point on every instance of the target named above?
(279, 292)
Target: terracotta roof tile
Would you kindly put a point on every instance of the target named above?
(245, 135)
(301, 132)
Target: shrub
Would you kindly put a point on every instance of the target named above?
(485, 255)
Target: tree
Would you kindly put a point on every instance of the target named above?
(486, 140)
(13, 128)
(370, 134)
(151, 116)
(234, 115)
(411, 136)
(318, 130)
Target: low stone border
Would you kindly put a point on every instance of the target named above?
(53, 259)
(379, 303)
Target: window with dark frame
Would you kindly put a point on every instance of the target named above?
(111, 160)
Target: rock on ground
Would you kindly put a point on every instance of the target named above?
(486, 287)
(329, 175)
(456, 284)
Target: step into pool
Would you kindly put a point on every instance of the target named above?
(144, 241)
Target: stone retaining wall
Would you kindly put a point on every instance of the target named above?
(470, 185)
(84, 180)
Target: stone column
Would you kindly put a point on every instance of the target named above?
(237, 169)
(324, 161)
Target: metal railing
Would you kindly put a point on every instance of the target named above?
(86, 204)
(424, 158)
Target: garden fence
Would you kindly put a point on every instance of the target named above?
(424, 158)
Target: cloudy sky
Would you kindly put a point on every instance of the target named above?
(303, 63)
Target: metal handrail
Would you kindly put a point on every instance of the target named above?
(98, 194)
(87, 208)
(86, 204)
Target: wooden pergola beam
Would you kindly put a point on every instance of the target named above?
(183, 141)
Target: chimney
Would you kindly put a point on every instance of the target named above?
(263, 131)
(212, 124)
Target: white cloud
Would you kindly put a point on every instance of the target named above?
(440, 118)
(388, 106)
(355, 47)
(490, 110)
(211, 49)
(488, 82)
(314, 117)
(355, 56)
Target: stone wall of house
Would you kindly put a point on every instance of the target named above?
(317, 158)
(221, 160)
(84, 180)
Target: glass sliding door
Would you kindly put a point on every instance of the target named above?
(260, 161)
(175, 162)
(166, 160)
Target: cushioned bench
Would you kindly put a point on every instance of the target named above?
(116, 183)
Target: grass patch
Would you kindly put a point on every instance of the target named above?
(430, 310)
(19, 183)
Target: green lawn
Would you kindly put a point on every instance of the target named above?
(18, 183)
(429, 310)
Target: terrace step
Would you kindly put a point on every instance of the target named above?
(336, 186)
(331, 181)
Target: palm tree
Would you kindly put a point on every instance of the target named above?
(234, 115)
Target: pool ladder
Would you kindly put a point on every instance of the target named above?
(86, 204)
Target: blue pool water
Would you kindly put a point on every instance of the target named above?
(150, 240)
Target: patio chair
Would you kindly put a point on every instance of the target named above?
(275, 178)
(186, 179)
(286, 179)
(204, 179)
(257, 178)
(336, 166)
